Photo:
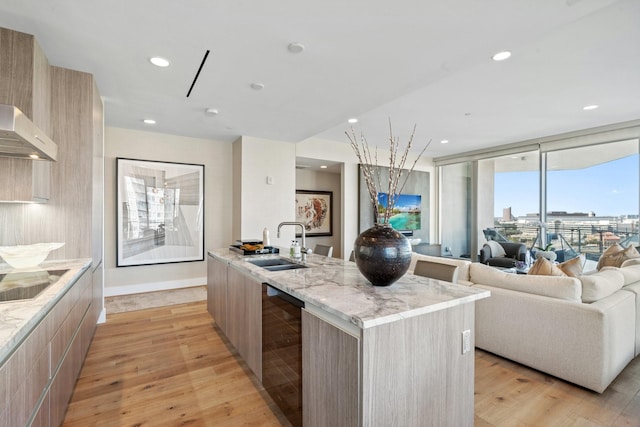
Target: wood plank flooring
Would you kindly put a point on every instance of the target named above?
(166, 367)
(169, 367)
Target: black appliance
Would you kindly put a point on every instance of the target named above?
(282, 351)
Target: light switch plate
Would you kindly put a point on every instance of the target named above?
(466, 341)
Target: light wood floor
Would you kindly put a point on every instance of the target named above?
(169, 367)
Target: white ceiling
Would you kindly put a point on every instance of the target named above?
(423, 62)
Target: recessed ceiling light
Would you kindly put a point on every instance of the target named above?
(149, 121)
(590, 107)
(211, 112)
(353, 120)
(295, 47)
(257, 86)
(444, 141)
(501, 56)
(323, 166)
(159, 62)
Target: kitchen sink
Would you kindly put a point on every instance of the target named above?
(26, 285)
(277, 264)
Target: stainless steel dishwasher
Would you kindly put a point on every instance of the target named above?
(282, 351)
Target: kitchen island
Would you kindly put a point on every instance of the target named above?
(371, 356)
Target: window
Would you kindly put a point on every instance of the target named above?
(580, 195)
(592, 198)
(516, 200)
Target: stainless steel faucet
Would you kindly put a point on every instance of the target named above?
(304, 248)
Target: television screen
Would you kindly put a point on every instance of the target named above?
(406, 211)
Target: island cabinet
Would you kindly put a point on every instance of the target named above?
(244, 317)
(37, 380)
(409, 372)
(330, 372)
(415, 372)
(391, 356)
(217, 291)
(234, 300)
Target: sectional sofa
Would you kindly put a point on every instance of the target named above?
(583, 329)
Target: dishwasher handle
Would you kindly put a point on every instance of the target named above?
(274, 292)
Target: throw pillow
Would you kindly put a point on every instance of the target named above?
(572, 267)
(632, 261)
(615, 255)
(544, 267)
(496, 249)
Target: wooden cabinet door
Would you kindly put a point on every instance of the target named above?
(217, 291)
(244, 317)
(330, 366)
(414, 369)
(25, 81)
(252, 344)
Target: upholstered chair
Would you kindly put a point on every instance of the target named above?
(502, 254)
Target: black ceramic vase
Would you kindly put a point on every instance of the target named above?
(382, 254)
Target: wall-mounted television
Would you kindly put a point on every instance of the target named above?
(406, 211)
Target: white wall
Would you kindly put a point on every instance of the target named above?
(264, 204)
(217, 159)
(324, 181)
(339, 152)
(239, 201)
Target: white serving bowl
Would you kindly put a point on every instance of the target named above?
(26, 256)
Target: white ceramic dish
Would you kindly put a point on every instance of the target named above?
(27, 256)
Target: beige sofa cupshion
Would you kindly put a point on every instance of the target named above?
(584, 330)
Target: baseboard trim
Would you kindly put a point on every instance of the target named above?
(103, 316)
(113, 291)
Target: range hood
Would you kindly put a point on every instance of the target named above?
(19, 137)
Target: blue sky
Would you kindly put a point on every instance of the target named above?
(607, 189)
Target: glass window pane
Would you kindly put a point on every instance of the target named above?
(592, 199)
(516, 196)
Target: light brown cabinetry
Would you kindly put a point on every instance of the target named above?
(414, 370)
(25, 82)
(411, 370)
(217, 291)
(37, 381)
(244, 317)
(330, 366)
(234, 300)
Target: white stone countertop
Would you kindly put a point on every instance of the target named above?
(19, 318)
(337, 287)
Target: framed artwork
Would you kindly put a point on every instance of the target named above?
(160, 212)
(315, 210)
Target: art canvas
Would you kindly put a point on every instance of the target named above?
(314, 210)
(160, 211)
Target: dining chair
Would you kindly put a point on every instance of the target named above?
(323, 250)
(437, 270)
